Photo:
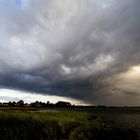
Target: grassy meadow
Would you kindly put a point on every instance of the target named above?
(69, 124)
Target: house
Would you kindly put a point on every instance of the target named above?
(63, 104)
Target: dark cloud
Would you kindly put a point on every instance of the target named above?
(71, 48)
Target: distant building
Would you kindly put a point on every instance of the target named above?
(63, 104)
(5, 105)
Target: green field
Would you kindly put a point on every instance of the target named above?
(70, 124)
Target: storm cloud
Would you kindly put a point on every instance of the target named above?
(82, 49)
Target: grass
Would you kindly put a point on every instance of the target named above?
(27, 125)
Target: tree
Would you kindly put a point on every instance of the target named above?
(20, 103)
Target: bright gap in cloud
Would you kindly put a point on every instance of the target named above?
(7, 95)
(133, 73)
(135, 70)
(129, 82)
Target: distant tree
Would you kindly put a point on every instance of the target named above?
(42, 104)
(35, 104)
(14, 104)
(20, 103)
(10, 104)
(48, 102)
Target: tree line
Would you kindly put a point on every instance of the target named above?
(36, 104)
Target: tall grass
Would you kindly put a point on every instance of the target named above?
(27, 125)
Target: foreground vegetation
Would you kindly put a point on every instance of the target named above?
(27, 125)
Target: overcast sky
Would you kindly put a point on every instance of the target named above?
(84, 50)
